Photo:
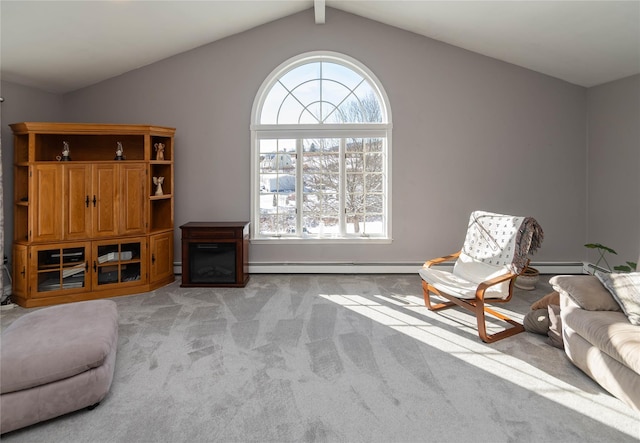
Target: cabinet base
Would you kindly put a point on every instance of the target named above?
(31, 302)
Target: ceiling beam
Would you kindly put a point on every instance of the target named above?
(318, 7)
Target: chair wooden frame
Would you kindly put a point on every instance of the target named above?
(476, 305)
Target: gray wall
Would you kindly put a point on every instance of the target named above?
(470, 132)
(613, 216)
(20, 104)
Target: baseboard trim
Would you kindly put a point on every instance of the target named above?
(382, 268)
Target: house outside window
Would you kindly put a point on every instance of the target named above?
(321, 153)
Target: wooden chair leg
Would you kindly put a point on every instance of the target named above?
(426, 292)
(480, 310)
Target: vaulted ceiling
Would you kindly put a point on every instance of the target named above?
(61, 46)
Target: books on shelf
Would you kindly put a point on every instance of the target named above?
(68, 272)
(53, 284)
(115, 256)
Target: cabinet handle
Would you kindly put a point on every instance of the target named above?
(24, 270)
(94, 201)
(153, 258)
(87, 201)
(86, 266)
(95, 266)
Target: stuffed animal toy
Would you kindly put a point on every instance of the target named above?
(544, 319)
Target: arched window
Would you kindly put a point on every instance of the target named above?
(321, 137)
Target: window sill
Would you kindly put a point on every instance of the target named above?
(320, 241)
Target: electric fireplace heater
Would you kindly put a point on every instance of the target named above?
(215, 254)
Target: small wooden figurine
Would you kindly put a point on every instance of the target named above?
(119, 152)
(66, 153)
(158, 182)
(159, 147)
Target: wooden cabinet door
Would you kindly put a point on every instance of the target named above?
(104, 200)
(119, 263)
(20, 263)
(46, 202)
(77, 202)
(133, 198)
(58, 268)
(161, 259)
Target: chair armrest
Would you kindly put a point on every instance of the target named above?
(450, 257)
(492, 282)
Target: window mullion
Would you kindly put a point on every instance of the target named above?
(343, 187)
(365, 160)
(299, 186)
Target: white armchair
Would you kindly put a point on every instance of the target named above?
(494, 253)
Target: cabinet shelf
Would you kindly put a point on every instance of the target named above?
(161, 197)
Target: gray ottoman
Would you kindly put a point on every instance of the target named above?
(56, 360)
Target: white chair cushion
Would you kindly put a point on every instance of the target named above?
(466, 276)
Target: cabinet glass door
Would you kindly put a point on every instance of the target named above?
(119, 263)
(60, 269)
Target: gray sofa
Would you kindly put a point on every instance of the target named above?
(599, 337)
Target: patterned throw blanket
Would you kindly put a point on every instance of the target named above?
(501, 240)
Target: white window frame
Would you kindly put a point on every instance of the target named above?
(303, 131)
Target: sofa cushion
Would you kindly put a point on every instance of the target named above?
(608, 331)
(586, 291)
(55, 343)
(609, 373)
(625, 288)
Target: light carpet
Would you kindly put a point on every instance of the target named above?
(332, 358)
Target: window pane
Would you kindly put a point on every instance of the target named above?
(374, 162)
(370, 103)
(373, 182)
(355, 223)
(309, 115)
(355, 145)
(355, 183)
(354, 162)
(277, 223)
(307, 92)
(277, 155)
(330, 225)
(374, 224)
(301, 74)
(374, 144)
(341, 73)
(334, 93)
(272, 104)
(374, 204)
(354, 203)
(290, 111)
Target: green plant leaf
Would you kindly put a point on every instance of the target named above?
(601, 247)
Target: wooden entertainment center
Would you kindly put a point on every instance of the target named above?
(90, 219)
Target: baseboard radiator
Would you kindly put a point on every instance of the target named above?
(383, 268)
